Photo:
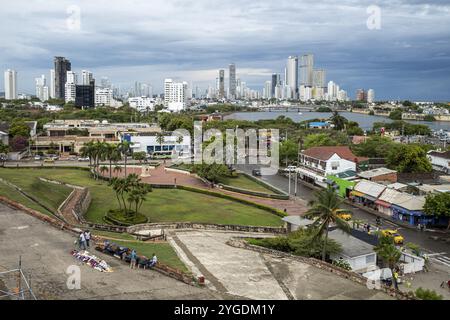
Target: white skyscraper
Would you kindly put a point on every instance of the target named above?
(42, 91)
(370, 95)
(86, 77)
(70, 86)
(292, 77)
(52, 92)
(10, 84)
(175, 95)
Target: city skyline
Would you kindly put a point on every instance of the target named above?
(407, 58)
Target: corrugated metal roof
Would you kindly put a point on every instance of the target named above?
(370, 188)
(390, 195)
(410, 202)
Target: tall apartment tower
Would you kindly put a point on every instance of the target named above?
(232, 85)
(221, 84)
(360, 95)
(10, 84)
(86, 77)
(52, 92)
(306, 70)
(62, 65)
(292, 76)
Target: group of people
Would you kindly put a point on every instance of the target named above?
(84, 239)
(137, 261)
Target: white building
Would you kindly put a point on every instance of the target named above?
(10, 84)
(359, 254)
(52, 92)
(318, 162)
(42, 91)
(292, 77)
(175, 95)
(142, 104)
(105, 97)
(370, 95)
(70, 87)
(86, 77)
(149, 144)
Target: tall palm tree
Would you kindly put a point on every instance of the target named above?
(124, 149)
(87, 151)
(325, 209)
(160, 139)
(338, 121)
(113, 155)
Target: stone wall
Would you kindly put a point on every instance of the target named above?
(205, 226)
(238, 242)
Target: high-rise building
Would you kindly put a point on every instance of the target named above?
(175, 95)
(306, 70)
(85, 95)
(275, 80)
(292, 77)
(360, 95)
(42, 92)
(10, 84)
(70, 87)
(370, 96)
(221, 84)
(267, 92)
(52, 92)
(86, 77)
(62, 65)
(232, 85)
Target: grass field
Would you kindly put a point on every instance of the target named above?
(163, 251)
(244, 182)
(162, 205)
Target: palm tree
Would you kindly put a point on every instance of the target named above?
(124, 149)
(103, 169)
(113, 155)
(117, 168)
(160, 139)
(387, 251)
(87, 151)
(325, 209)
(338, 121)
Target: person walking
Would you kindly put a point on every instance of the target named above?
(133, 257)
(82, 241)
(87, 236)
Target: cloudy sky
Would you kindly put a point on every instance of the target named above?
(149, 40)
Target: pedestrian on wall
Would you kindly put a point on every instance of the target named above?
(82, 241)
(87, 236)
(133, 257)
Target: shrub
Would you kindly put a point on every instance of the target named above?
(426, 294)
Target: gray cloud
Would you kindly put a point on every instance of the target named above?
(149, 40)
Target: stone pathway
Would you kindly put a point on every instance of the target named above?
(254, 275)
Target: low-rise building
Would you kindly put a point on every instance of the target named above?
(366, 193)
(319, 162)
(440, 160)
(154, 144)
(142, 104)
(379, 175)
(357, 253)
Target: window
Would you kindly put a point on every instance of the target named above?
(370, 259)
(334, 165)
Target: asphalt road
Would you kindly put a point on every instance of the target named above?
(438, 249)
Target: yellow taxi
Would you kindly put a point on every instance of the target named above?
(345, 216)
(398, 238)
(49, 160)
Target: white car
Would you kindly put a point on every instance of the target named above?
(290, 169)
(83, 159)
(37, 158)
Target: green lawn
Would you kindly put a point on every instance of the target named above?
(49, 194)
(162, 205)
(244, 182)
(163, 251)
(13, 194)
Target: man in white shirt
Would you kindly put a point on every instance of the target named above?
(82, 241)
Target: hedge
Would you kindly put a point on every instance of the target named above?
(255, 193)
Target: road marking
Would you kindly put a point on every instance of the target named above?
(20, 227)
(440, 258)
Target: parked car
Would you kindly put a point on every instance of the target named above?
(37, 158)
(289, 169)
(256, 172)
(83, 158)
(49, 160)
(398, 238)
(347, 216)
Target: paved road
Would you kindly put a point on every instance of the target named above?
(439, 249)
